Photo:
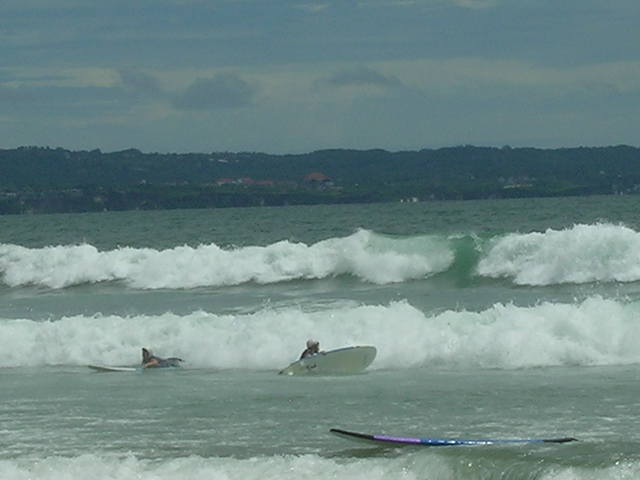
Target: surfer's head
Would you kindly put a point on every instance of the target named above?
(146, 355)
(312, 343)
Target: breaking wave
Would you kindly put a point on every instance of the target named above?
(576, 255)
(584, 253)
(473, 464)
(595, 331)
(365, 255)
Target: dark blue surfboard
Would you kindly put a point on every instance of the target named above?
(438, 442)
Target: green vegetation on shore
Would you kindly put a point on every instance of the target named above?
(47, 180)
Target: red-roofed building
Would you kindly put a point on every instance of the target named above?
(225, 181)
(316, 177)
(318, 180)
(265, 183)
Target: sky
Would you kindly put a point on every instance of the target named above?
(294, 76)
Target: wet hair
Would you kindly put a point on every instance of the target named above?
(146, 355)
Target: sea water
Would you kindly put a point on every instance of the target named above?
(492, 319)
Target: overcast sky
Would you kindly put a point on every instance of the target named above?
(288, 76)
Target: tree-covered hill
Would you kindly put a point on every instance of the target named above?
(37, 179)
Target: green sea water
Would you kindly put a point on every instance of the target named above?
(492, 319)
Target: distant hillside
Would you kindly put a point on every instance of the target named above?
(36, 179)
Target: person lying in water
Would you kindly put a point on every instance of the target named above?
(313, 348)
(149, 360)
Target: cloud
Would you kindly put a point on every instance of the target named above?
(475, 4)
(12, 96)
(363, 76)
(139, 83)
(445, 77)
(61, 103)
(470, 4)
(39, 4)
(312, 7)
(225, 90)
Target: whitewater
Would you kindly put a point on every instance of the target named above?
(577, 254)
(492, 319)
(504, 336)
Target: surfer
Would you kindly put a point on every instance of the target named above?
(149, 360)
(313, 347)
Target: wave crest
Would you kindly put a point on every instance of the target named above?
(503, 336)
(581, 254)
(576, 255)
(365, 255)
(292, 467)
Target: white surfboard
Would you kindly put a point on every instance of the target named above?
(107, 368)
(345, 360)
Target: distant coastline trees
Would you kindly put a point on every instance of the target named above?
(55, 180)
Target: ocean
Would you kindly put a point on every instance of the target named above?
(492, 319)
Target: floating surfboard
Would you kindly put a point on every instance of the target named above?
(343, 360)
(438, 442)
(107, 368)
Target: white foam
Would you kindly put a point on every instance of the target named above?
(425, 464)
(196, 468)
(370, 257)
(595, 331)
(583, 253)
